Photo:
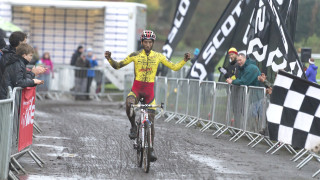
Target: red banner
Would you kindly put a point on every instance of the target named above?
(27, 108)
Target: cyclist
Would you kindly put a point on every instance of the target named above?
(146, 62)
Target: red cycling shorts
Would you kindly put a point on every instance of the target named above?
(143, 90)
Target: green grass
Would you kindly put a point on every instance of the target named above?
(317, 63)
(111, 88)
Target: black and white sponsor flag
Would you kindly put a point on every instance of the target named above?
(294, 112)
(257, 29)
(261, 33)
(182, 18)
(219, 40)
(288, 11)
(270, 43)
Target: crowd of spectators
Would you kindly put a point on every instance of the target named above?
(21, 66)
(13, 64)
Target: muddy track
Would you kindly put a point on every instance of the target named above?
(90, 140)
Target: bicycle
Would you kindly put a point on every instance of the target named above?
(143, 143)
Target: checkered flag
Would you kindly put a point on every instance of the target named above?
(294, 112)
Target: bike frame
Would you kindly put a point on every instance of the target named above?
(145, 118)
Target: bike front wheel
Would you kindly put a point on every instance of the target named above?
(139, 147)
(146, 149)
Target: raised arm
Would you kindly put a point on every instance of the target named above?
(178, 65)
(116, 64)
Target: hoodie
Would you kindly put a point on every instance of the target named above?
(311, 73)
(16, 73)
(8, 53)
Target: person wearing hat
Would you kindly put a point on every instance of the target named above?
(311, 72)
(231, 71)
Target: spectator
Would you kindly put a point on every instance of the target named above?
(76, 55)
(248, 72)
(231, 71)
(16, 74)
(91, 73)
(9, 52)
(46, 61)
(311, 72)
(263, 79)
(81, 76)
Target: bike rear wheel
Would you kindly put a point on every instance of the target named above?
(146, 148)
(139, 147)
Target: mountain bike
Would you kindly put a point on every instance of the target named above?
(143, 143)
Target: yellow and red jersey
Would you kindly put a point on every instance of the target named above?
(145, 66)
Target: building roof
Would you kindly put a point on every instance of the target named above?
(71, 4)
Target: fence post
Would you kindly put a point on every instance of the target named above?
(5, 136)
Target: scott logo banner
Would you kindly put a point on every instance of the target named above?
(262, 34)
(182, 18)
(219, 40)
(26, 117)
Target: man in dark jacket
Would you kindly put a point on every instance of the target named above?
(248, 72)
(9, 52)
(16, 73)
(81, 76)
(76, 55)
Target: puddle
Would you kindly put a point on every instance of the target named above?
(217, 165)
(62, 155)
(52, 137)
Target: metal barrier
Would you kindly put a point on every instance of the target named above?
(206, 106)
(182, 100)
(5, 136)
(128, 82)
(256, 124)
(171, 98)
(82, 83)
(161, 91)
(221, 108)
(15, 154)
(194, 102)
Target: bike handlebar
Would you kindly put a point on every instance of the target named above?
(145, 106)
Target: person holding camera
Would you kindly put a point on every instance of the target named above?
(231, 71)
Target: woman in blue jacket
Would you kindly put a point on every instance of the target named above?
(91, 73)
(311, 72)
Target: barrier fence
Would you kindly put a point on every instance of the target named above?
(16, 131)
(81, 83)
(220, 107)
(84, 83)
